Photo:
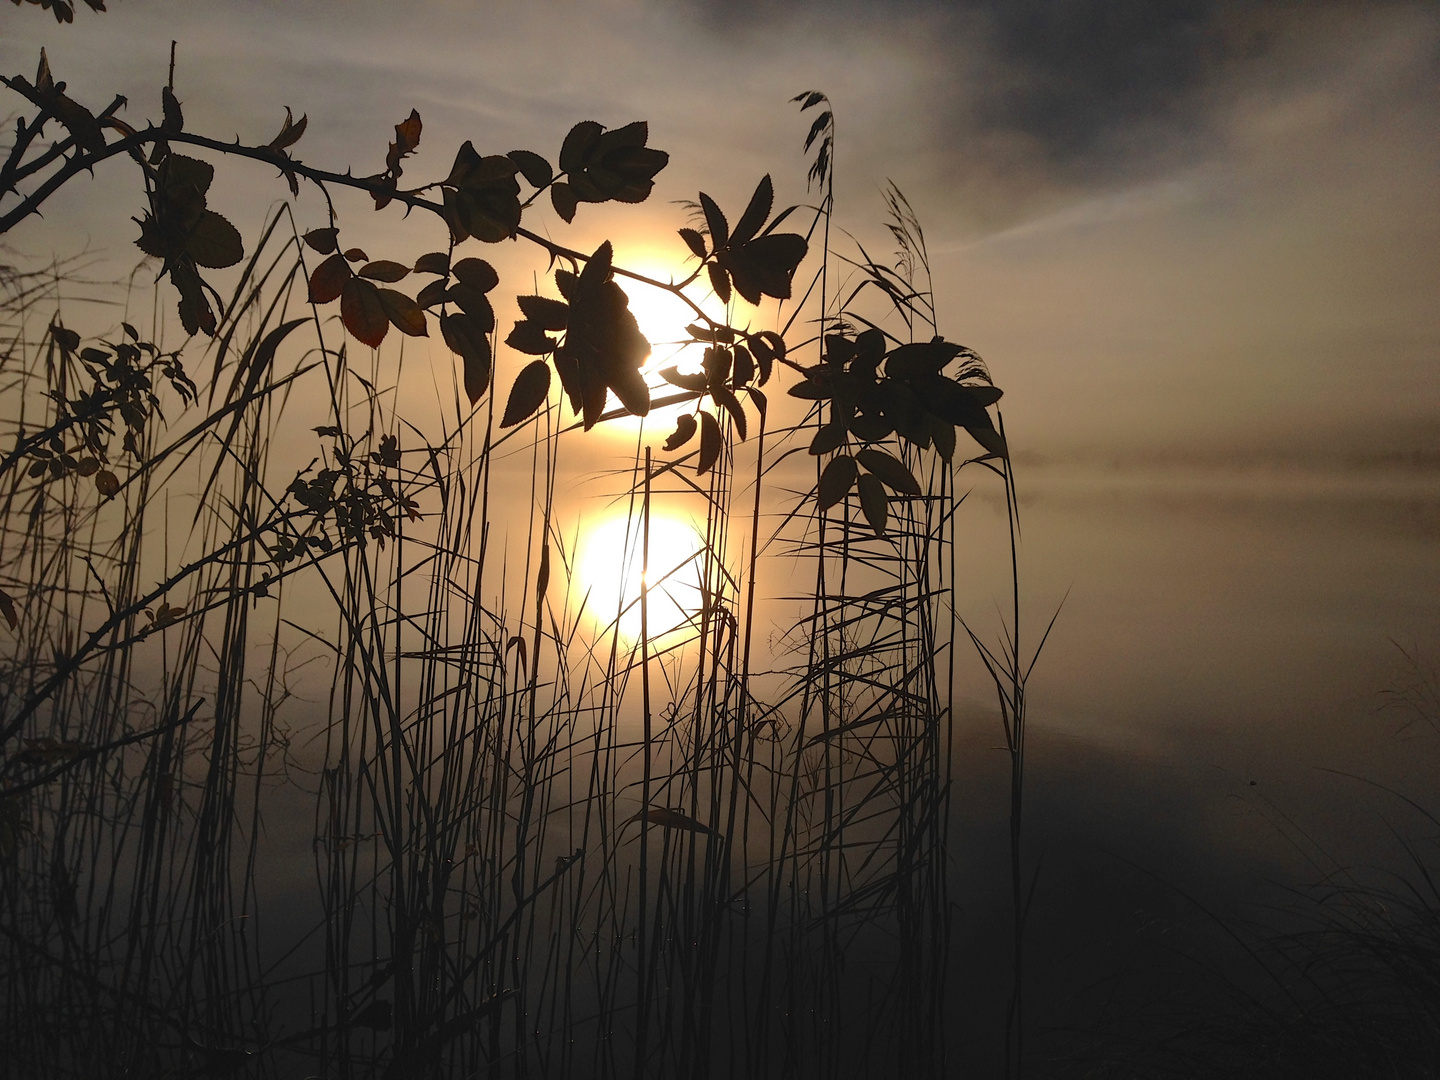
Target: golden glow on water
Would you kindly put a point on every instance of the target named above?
(609, 565)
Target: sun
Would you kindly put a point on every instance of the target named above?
(609, 574)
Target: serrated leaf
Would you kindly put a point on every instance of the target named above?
(710, 443)
(362, 312)
(546, 312)
(290, 131)
(476, 273)
(432, 294)
(528, 393)
(322, 240)
(564, 200)
(732, 405)
(686, 380)
(328, 279)
(436, 262)
(766, 265)
(744, 369)
(404, 313)
(694, 241)
(630, 387)
(715, 222)
(533, 167)
(755, 213)
(720, 282)
(214, 242)
(474, 303)
(465, 338)
(761, 402)
(836, 481)
(685, 428)
(873, 502)
(889, 469)
(528, 338)
(577, 144)
(384, 270)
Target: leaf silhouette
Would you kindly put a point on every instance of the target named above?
(476, 273)
(528, 393)
(685, 428)
(533, 167)
(765, 266)
(694, 241)
(873, 502)
(384, 270)
(673, 819)
(329, 280)
(435, 262)
(836, 481)
(362, 312)
(715, 222)
(829, 438)
(465, 338)
(322, 240)
(890, 470)
(710, 443)
(755, 213)
(404, 314)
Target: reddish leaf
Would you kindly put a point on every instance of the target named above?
(404, 314)
(531, 388)
(836, 481)
(362, 312)
(328, 279)
(384, 270)
(685, 428)
(889, 469)
(710, 443)
(356, 255)
(322, 240)
(873, 503)
(290, 131)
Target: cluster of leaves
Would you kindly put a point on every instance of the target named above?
(185, 234)
(757, 263)
(357, 496)
(734, 361)
(123, 386)
(601, 350)
(877, 391)
(63, 10)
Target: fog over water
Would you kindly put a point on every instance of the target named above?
(1198, 245)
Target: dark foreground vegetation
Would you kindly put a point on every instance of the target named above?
(315, 758)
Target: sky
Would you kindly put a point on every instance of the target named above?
(1189, 228)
